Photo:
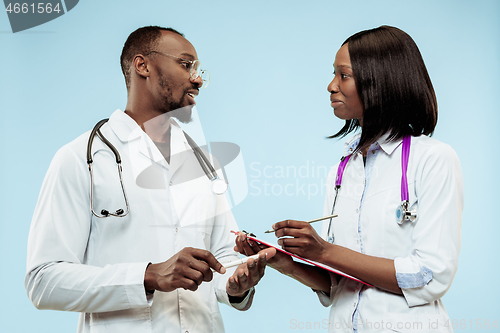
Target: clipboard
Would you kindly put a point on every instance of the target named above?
(311, 262)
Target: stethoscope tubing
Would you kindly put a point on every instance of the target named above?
(405, 157)
(202, 159)
(205, 164)
(90, 162)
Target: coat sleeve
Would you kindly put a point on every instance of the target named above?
(427, 273)
(57, 277)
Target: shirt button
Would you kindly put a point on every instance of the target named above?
(425, 273)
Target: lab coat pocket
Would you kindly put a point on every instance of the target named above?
(129, 320)
(199, 213)
(193, 202)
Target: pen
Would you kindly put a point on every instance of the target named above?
(239, 261)
(310, 221)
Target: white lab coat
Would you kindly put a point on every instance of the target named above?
(425, 252)
(77, 262)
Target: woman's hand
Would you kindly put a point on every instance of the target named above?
(305, 242)
(281, 262)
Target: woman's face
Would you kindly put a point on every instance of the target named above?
(344, 96)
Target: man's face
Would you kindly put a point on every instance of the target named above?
(172, 86)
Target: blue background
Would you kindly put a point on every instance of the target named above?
(270, 63)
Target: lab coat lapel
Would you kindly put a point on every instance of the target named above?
(179, 150)
(148, 149)
(150, 165)
(145, 158)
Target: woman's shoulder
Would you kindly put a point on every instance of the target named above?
(433, 153)
(427, 145)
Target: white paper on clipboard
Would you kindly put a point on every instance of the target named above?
(311, 262)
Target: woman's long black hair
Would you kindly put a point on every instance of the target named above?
(393, 84)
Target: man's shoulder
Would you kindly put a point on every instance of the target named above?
(72, 155)
(77, 146)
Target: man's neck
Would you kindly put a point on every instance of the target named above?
(157, 128)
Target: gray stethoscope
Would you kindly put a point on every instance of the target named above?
(219, 186)
(402, 212)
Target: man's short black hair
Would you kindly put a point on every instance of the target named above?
(393, 84)
(141, 41)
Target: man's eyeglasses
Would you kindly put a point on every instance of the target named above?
(194, 67)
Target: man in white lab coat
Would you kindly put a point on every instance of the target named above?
(157, 268)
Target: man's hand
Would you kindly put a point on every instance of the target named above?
(248, 275)
(187, 269)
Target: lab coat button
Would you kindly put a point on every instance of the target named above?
(170, 183)
(176, 229)
(357, 210)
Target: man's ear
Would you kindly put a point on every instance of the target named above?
(141, 66)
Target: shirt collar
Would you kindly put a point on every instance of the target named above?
(127, 129)
(387, 146)
(350, 145)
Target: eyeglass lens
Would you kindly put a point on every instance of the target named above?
(196, 72)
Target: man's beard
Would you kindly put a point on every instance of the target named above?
(174, 108)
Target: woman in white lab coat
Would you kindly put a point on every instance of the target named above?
(381, 87)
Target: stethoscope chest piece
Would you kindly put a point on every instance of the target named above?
(219, 186)
(404, 214)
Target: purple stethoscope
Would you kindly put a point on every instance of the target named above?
(402, 212)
